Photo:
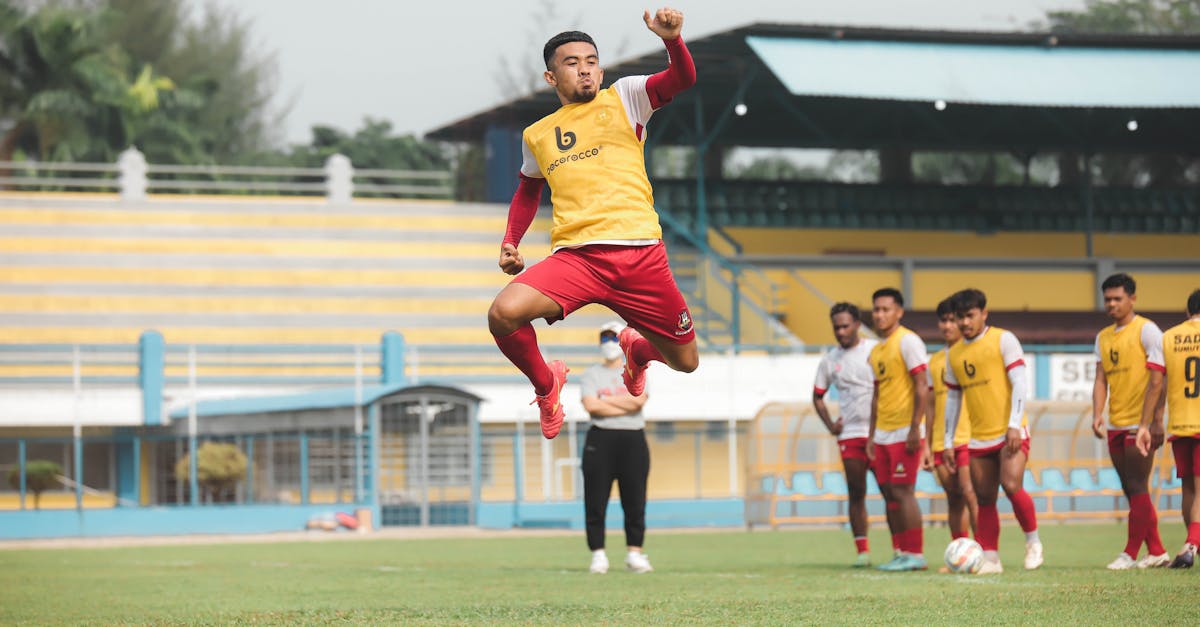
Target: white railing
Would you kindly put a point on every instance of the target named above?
(133, 178)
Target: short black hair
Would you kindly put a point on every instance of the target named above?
(565, 37)
(845, 308)
(945, 308)
(889, 291)
(1121, 280)
(968, 299)
(1194, 303)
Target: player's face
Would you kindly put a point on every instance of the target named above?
(971, 322)
(1118, 304)
(886, 314)
(845, 329)
(948, 325)
(576, 74)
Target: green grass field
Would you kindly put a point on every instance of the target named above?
(764, 577)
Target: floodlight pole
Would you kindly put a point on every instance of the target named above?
(77, 427)
(193, 471)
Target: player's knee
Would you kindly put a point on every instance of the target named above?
(686, 361)
(502, 318)
(1012, 485)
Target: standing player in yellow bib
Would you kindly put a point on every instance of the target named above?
(961, 507)
(1181, 354)
(1129, 359)
(987, 375)
(895, 442)
(607, 240)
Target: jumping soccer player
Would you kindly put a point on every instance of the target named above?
(846, 368)
(606, 238)
(1129, 361)
(987, 373)
(895, 442)
(961, 506)
(1181, 382)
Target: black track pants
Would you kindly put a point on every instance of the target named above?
(622, 455)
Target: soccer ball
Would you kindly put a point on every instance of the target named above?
(964, 555)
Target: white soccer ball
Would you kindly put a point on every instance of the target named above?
(964, 555)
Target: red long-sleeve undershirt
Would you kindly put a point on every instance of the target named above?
(661, 89)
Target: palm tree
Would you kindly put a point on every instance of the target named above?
(58, 78)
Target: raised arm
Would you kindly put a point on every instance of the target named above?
(681, 73)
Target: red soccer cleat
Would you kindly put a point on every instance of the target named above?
(634, 377)
(550, 405)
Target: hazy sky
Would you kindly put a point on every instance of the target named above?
(422, 65)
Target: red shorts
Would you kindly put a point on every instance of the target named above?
(1187, 457)
(1118, 441)
(962, 457)
(895, 465)
(853, 448)
(984, 452)
(633, 281)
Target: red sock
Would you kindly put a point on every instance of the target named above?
(954, 535)
(860, 543)
(643, 352)
(913, 541)
(1154, 544)
(521, 348)
(987, 530)
(1137, 524)
(1023, 509)
(1193, 536)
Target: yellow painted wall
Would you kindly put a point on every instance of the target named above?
(1007, 290)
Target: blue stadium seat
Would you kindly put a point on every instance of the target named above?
(1081, 479)
(926, 482)
(834, 483)
(1172, 482)
(1052, 479)
(1108, 479)
(872, 485)
(805, 483)
(1030, 482)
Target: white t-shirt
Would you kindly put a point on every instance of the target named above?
(849, 371)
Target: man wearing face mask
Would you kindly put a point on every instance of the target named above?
(615, 449)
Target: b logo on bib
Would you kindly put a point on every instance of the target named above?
(564, 140)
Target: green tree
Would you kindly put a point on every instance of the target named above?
(58, 76)
(219, 468)
(40, 475)
(84, 79)
(1148, 17)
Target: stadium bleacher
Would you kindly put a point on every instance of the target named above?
(91, 269)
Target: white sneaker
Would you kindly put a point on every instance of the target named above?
(1033, 555)
(599, 563)
(1123, 562)
(1154, 561)
(637, 562)
(990, 567)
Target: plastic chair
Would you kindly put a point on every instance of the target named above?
(1081, 479)
(1029, 482)
(805, 483)
(1052, 479)
(834, 483)
(927, 483)
(1108, 479)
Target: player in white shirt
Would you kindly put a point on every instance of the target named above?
(846, 368)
